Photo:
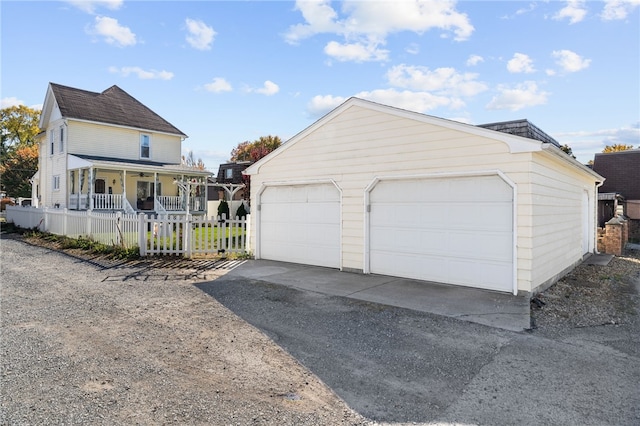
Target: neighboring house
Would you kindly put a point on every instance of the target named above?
(228, 185)
(229, 175)
(621, 189)
(107, 151)
(387, 191)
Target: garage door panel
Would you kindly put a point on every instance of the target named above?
(451, 230)
(301, 224)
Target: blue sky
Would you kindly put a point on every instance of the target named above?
(228, 71)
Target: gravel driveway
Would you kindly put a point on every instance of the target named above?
(170, 343)
(133, 344)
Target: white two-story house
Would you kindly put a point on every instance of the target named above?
(107, 151)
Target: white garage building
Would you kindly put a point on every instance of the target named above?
(375, 189)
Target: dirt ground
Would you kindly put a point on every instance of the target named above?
(109, 342)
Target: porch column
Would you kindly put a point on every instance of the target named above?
(92, 182)
(81, 176)
(123, 181)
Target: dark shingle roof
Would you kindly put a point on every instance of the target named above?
(113, 106)
(622, 172)
(522, 128)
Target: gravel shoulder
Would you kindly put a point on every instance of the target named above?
(591, 296)
(105, 342)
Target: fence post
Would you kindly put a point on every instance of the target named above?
(64, 221)
(247, 233)
(142, 235)
(118, 228)
(89, 231)
(46, 219)
(186, 235)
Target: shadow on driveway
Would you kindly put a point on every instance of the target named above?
(388, 364)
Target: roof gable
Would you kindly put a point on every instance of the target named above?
(112, 106)
(622, 172)
(516, 143)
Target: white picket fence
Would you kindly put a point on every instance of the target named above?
(154, 235)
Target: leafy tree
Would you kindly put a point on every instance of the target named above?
(617, 148)
(567, 150)
(18, 149)
(253, 151)
(17, 168)
(19, 127)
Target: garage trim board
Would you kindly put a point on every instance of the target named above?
(381, 233)
(300, 222)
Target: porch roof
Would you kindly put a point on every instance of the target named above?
(77, 161)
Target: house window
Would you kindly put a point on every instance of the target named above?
(228, 174)
(145, 146)
(52, 141)
(56, 183)
(61, 139)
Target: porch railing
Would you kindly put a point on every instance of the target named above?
(170, 202)
(107, 201)
(173, 203)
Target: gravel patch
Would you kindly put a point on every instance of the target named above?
(591, 296)
(102, 342)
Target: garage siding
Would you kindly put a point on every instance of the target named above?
(557, 218)
(360, 143)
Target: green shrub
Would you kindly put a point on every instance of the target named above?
(241, 212)
(223, 209)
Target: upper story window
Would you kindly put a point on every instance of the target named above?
(56, 183)
(145, 146)
(52, 142)
(61, 138)
(228, 173)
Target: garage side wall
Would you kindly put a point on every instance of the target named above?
(563, 219)
(360, 144)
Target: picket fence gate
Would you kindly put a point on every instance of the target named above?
(179, 235)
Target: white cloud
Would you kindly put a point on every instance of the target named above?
(618, 9)
(356, 52)
(413, 49)
(142, 74)
(406, 99)
(218, 85)
(575, 11)
(520, 63)
(474, 60)
(320, 105)
(200, 34)
(442, 81)
(365, 25)
(570, 61)
(518, 97)
(90, 6)
(10, 102)
(270, 88)
(585, 143)
(113, 32)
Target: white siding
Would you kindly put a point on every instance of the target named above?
(109, 141)
(361, 144)
(558, 217)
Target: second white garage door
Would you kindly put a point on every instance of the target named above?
(301, 224)
(456, 230)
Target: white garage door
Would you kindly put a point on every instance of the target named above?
(301, 224)
(455, 230)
